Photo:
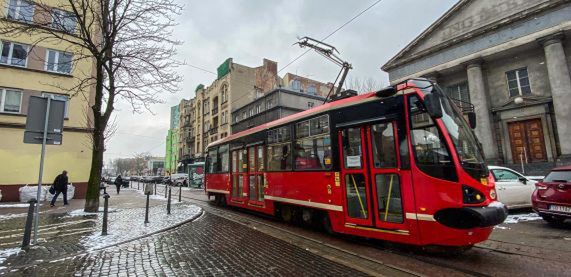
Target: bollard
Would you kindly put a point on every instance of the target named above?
(147, 208)
(166, 190)
(105, 213)
(137, 184)
(169, 201)
(155, 189)
(180, 193)
(29, 220)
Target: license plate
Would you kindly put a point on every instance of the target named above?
(560, 208)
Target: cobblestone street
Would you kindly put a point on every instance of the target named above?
(206, 247)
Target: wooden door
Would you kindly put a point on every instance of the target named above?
(526, 140)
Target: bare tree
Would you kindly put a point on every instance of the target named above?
(130, 45)
(364, 85)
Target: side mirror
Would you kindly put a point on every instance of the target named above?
(523, 180)
(432, 104)
(472, 120)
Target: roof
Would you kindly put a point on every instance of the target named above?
(317, 110)
(393, 61)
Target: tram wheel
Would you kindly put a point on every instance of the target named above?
(286, 213)
(326, 223)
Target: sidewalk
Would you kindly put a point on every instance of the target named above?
(68, 231)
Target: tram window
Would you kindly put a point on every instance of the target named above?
(253, 193)
(261, 183)
(223, 159)
(234, 161)
(260, 158)
(251, 159)
(278, 135)
(428, 145)
(389, 198)
(383, 140)
(302, 129)
(356, 196)
(315, 126)
(235, 184)
(212, 160)
(313, 153)
(279, 157)
(352, 154)
(242, 165)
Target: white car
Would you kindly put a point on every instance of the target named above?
(179, 179)
(514, 189)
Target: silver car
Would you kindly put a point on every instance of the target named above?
(513, 188)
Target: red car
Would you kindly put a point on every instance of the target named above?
(552, 196)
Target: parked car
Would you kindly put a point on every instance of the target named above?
(179, 179)
(552, 196)
(513, 188)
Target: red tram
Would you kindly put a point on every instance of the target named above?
(400, 164)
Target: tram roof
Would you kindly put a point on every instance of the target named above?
(366, 97)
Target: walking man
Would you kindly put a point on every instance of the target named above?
(60, 185)
(118, 183)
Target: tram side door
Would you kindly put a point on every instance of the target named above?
(370, 176)
(239, 175)
(255, 175)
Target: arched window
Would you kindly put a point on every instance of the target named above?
(224, 93)
(296, 85)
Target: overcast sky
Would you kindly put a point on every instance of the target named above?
(250, 30)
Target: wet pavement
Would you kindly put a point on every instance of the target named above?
(208, 246)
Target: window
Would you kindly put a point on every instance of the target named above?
(59, 97)
(428, 145)
(21, 10)
(244, 115)
(312, 149)
(459, 92)
(258, 109)
(296, 85)
(64, 21)
(312, 89)
(558, 176)
(383, 140)
(213, 162)
(224, 118)
(224, 93)
(251, 111)
(279, 149)
(10, 101)
(57, 61)
(389, 198)
(502, 175)
(14, 54)
(269, 104)
(518, 82)
(310, 105)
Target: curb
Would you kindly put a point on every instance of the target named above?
(8, 269)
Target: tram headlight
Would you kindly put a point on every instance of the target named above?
(472, 195)
(493, 194)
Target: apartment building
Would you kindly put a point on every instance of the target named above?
(32, 67)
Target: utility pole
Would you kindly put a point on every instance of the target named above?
(328, 51)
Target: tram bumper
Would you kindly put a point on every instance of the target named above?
(472, 217)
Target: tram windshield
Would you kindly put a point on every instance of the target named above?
(464, 140)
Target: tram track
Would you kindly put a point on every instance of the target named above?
(449, 263)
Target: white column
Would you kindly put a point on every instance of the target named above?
(479, 98)
(560, 82)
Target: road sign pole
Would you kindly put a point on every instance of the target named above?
(45, 136)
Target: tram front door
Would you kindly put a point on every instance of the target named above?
(370, 176)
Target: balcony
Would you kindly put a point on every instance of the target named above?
(213, 130)
(214, 111)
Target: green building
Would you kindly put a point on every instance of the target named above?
(171, 155)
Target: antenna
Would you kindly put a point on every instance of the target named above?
(329, 52)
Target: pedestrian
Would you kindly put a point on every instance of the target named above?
(60, 186)
(118, 183)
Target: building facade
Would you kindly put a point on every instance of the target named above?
(511, 60)
(273, 105)
(30, 66)
(172, 141)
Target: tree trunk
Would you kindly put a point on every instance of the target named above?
(92, 196)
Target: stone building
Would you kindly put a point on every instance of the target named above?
(510, 59)
(273, 105)
(31, 65)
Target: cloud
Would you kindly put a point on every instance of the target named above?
(250, 30)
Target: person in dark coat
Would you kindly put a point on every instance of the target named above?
(118, 183)
(60, 186)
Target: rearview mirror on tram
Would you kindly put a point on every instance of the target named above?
(432, 104)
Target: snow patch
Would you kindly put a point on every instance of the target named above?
(20, 205)
(9, 216)
(496, 204)
(516, 218)
(81, 212)
(5, 253)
